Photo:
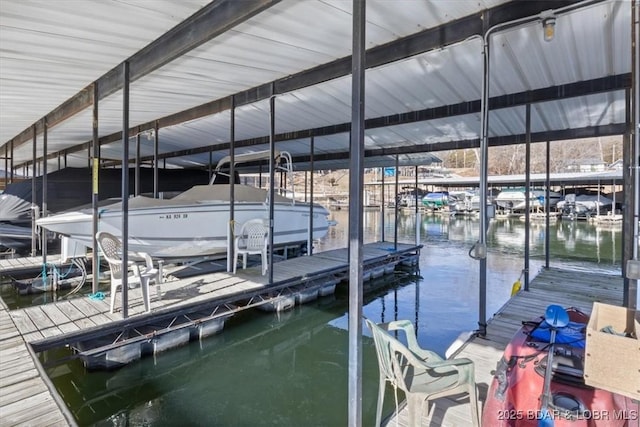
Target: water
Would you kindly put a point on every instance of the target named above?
(291, 369)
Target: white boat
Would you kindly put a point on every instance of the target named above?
(585, 206)
(195, 222)
(514, 199)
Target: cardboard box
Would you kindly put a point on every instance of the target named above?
(612, 362)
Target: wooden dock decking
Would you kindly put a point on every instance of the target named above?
(26, 395)
(25, 265)
(76, 314)
(553, 286)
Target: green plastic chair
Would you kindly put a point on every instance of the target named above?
(420, 373)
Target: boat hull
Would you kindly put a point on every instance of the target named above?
(189, 230)
(514, 395)
(515, 199)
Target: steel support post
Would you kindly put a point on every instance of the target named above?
(95, 263)
(547, 208)
(482, 187)
(156, 145)
(311, 152)
(527, 195)
(45, 195)
(231, 258)
(272, 176)
(382, 205)
(356, 160)
(125, 188)
(34, 202)
(396, 207)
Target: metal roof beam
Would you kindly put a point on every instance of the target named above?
(501, 182)
(569, 90)
(605, 84)
(554, 135)
(236, 12)
(212, 20)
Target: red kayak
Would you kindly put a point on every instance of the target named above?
(514, 397)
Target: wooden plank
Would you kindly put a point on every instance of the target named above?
(6, 324)
(18, 391)
(9, 264)
(13, 345)
(84, 306)
(68, 327)
(38, 317)
(101, 319)
(5, 318)
(23, 322)
(16, 377)
(51, 332)
(55, 314)
(9, 349)
(84, 323)
(69, 310)
(6, 334)
(10, 343)
(24, 411)
(103, 306)
(49, 419)
(33, 336)
(14, 365)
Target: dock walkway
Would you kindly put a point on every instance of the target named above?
(553, 286)
(26, 265)
(26, 395)
(44, 322)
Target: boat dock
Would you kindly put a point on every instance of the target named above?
(19, 267)
(26, 390)
(568, 288)
(181, 310)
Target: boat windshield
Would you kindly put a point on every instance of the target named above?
(282, 164)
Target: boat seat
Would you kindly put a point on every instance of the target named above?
(253, 239)
(420, 373)
(111, 248)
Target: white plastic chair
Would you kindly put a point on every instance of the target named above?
(252, 240)
(111, 248)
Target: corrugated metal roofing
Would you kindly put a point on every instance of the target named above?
(50, 51)
(40, 68)
(589, 43)
(562, 179)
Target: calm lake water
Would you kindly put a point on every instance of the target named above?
(291, 369)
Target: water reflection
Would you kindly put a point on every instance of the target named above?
(292, 369)
(569, 240)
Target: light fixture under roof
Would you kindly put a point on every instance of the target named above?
(548, 24)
